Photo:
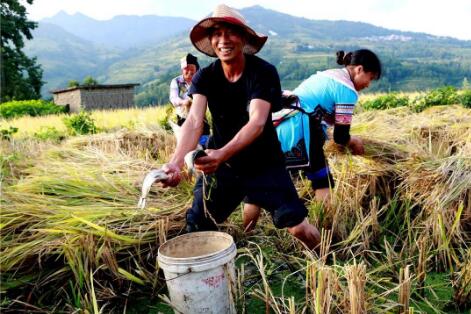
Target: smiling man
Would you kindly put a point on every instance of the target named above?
(244, 158)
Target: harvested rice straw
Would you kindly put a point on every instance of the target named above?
(326, 241)
(291, 306)
(356, 280)
(395, 125)
(136, 144)
(163, 229)
(440, 188)
(358, 181)
(462, 283)
(404, 289)
(76, 207)
(421, 269)
(319, 287)
(69, 212)
(240, 287)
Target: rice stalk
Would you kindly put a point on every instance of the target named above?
(291, 306)
(462, 283)
(94, 300)
(240, 289)
(267, 295)
(404, 289)
(131, 277)
(326, 241)
(356, 279)
(166, 300)
(319, 288)
(358, 241)
(421, 269)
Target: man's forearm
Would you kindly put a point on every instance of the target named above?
(190, 133)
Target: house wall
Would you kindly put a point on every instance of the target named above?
(90, 99)
(107, 98)
(71, 98)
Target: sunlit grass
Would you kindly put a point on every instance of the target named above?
(104, 119)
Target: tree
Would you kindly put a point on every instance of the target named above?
(20, 76)
(73, 83)
(89, 81)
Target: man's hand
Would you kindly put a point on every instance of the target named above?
(173, 172)
(210, 163)
(356, 145)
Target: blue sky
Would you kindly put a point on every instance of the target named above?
(437, 17)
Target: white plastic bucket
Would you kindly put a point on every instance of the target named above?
(199, 271)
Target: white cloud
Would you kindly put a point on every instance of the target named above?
(438, 17)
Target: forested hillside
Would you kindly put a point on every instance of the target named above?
(298, 47)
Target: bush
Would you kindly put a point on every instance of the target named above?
(442, 96)
(387, 101)
(465, 98)
(7, 134)
(81, 123)
(49, 133)
(164, 120)
(13, 109)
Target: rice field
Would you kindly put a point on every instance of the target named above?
(396, 238)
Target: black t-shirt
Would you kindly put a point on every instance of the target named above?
(229, 106)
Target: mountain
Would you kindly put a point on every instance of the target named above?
(288, 26)
(298, 47)
(121, 31)
(65, 57)
(412, 61)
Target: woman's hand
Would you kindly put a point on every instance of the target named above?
(356, 145)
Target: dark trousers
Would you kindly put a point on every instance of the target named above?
(217, 196)
(318, 171)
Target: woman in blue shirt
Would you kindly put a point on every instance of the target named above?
(332, 95)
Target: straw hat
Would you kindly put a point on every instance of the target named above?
(222, 13)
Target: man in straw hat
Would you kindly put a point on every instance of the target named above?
(244, 159)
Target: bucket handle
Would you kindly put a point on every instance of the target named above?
(189, 271)
(181, 275)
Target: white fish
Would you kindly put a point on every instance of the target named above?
(155, 175)
(158, 175)
(190, 159)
